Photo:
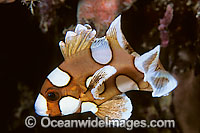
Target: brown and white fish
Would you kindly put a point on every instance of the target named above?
(97, 72)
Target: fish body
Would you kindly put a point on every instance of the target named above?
(97, 72)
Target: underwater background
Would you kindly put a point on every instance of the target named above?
(30, 31)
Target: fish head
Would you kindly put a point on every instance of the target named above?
(59, 95)
(61, 90)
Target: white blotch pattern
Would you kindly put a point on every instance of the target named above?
(41, 105)
(69, 105)
(89, 106)
(125, 84)
(101, 51)
(59, 78)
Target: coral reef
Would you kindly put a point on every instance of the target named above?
(164, 23)
(100, 13)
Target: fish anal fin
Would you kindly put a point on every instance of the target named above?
(118, 107)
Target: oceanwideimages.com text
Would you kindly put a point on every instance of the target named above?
(46, 122)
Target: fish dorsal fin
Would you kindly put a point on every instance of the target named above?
(160, 80)
(115, 32)
(77, 41)
(99, 77)
(118, 107)
(148, 61)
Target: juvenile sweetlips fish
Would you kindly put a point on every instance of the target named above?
(97, 72)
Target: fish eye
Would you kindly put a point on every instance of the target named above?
(52, 96)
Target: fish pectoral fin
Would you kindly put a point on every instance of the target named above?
(162, 82)
(115, 33)
(118, 107)
(99, 77)
(97, 91)
(148, 62)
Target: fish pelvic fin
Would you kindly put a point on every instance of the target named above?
(115, 32)
(77, 40)
(161, 81)
(100, 76)
(118, 107)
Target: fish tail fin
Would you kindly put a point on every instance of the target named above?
(161, 81)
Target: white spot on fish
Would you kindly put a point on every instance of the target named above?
(101, 51)
(69, 105)
(41, 105)
(125, 84)
(59, 78)
(99, 77)
(89, 106)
